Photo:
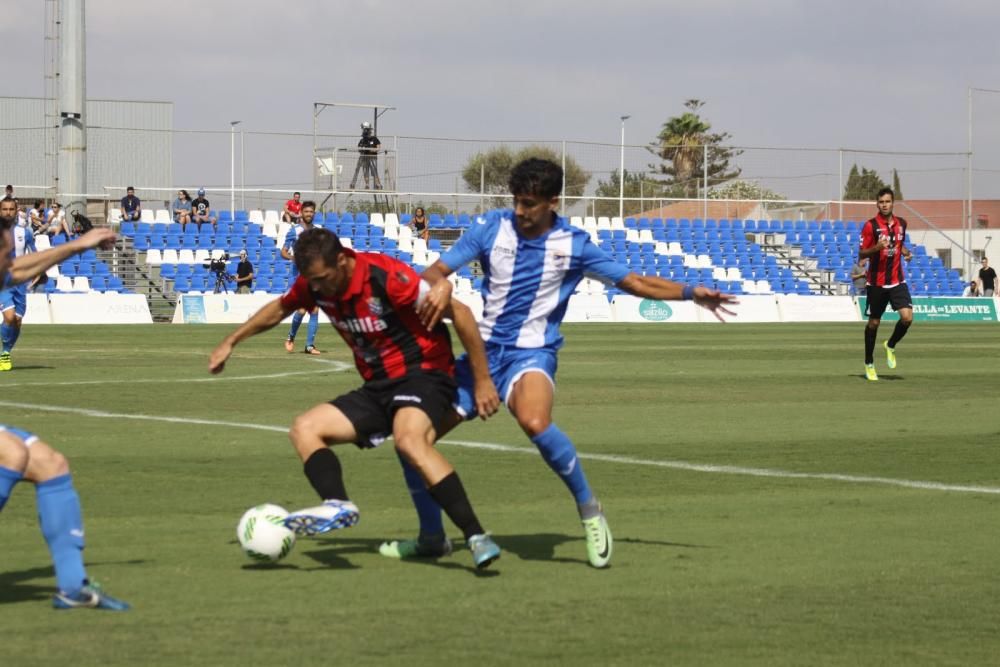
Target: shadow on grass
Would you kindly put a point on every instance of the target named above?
(881, 376)
(13, 586)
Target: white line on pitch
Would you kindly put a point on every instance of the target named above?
(608, 458)
(332, 365)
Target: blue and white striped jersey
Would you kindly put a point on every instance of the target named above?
(24, 241)
(528, 282)
(290, 238)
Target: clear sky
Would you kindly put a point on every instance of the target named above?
(875, 74)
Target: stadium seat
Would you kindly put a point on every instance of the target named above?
(81, 284)
(161, 215)
(146, 215)
(256, 216)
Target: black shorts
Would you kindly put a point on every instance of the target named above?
(880, 297)
(372, 407)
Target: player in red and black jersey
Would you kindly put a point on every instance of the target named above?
(883, 243)
(409, 391)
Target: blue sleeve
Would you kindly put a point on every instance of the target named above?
(473, 242)
(290, 239)
(29, 240)
(598, 264)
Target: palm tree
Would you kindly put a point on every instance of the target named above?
(681, 143)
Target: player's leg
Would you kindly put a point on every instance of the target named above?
(878, 300)
(13, 461)
(346, 419)
(903, 305)
(313, 327)
(294, 330)
(8, 333)
(414, 435)
(61, 521)
(530, 400)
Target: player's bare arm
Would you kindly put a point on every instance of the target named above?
(652, 287)
(486, 396)
(26, 267)
(266, 318)
(433, 306)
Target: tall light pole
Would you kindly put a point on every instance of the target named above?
(621, 174)
(968, 220)
(232, 167)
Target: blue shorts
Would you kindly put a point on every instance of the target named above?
(26, 437)
(14, 297)
(507, 365)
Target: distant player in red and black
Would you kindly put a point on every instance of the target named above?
(409, 391)
(883, 241)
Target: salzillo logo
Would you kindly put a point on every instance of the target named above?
(655, 311)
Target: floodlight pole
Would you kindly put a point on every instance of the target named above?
(232, 168)
(968, 220)
(621, 173)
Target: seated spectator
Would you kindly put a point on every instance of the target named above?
(201, 210)
(972, 289)
(131, 207)
(244, 274)
(182, 208)
(418, 223)
(293, 209)
(56, 223)
(36, 217)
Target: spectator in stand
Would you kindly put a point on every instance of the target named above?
(131, 207)
(418, 223)
(56, 222)
(293, 209)
(182, 208)
(987, 279)
(859, 276)
(244, 274)
(8, 192)
(972, 289)
(201, 210)
(36, 217)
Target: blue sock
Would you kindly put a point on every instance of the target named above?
(313, 328)
(8, 478)
(558, 451)
(296, 323)
(427, 508)
(62, 526)
(7, 336)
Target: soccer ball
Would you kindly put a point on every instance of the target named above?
(262, 533)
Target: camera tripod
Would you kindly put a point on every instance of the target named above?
(368, 167)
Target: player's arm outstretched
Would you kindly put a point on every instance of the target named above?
(26, 267)
(486, 396)
(432, 308)
(266, 318)
(652, 287)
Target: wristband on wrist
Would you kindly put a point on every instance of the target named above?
(688, 292)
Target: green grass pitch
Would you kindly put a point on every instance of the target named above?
(762, 495)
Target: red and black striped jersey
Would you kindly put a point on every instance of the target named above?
(377, 317)
(886, 267)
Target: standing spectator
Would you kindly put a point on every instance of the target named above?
(56, 222)
(987, 279)
(8, 192)
(131, 207)
(858, 276)
(368, 147)
(418, 223)
(244, 274)
(882, 242)
(201, 210)
(182, 208)
(293, 209)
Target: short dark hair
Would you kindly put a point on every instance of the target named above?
(316, 243)
(8, 199)
(38, 203)
(886, 191)
(309, 203)
(538, 177)
(297, 193)
(132, 188)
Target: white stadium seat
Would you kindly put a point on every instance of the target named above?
(42, 242)
(170, 256)
(153, 257)
(378, 220)
(391, 219)
(271, 217)
(64, 284)
(617, 223)
(201, 256)
(162, 215)
(282, 232)
(147, 215)
(52, 271)
(577, 221)
(185, 256)
(256, 217)
(406, 244)
(81, 284)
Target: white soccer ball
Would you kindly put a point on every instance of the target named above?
(262, 533)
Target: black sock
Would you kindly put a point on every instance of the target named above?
(870, 335)
(450, 495)
(324, 473)
(898, 332)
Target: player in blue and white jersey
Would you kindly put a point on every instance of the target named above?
(307, 214)
(24, 456)
(532, 261)
(14, 299)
